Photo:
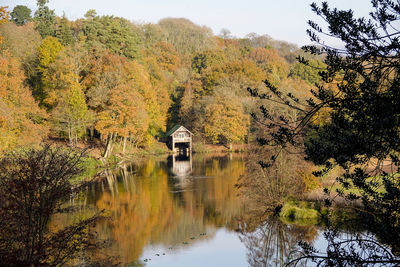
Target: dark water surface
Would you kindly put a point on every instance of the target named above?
(186, 212)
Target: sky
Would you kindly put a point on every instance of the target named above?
(281, 19)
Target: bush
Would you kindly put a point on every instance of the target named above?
(34, 185)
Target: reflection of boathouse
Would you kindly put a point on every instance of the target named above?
(181, 165)
(180, 139)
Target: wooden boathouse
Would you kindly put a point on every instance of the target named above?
(180, 139)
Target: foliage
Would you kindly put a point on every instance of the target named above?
(21, 15)
(44, 19)
(185, 36)
(225, 121)
(174, 70)
(359, 89)
(71, 115)
(64, 32)
(34, 184)
(20, 41)
(295, 212)
(308, 72)
(4, 15)
(112, 33)
(48, 51)
(21, 121)
(275, 66)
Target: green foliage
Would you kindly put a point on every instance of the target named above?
(21, 15)
(45, 19)
(112, 33)
(64, 32)
(48, 51)
(308, 72)
(299, 212)
(359, 95)
(71, 115)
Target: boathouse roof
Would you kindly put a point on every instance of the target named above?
(176, 128)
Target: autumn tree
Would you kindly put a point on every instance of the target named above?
(121, 94)
(225, 121)
(21, 120)
(276, 67)
(71, 117)
(125, 117)
(4, 15)
(48, 51)
(21, 42)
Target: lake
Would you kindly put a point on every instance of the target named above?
(186, 211)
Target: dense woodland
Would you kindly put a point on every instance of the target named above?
(121, 83)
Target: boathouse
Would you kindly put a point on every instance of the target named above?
(180, 139)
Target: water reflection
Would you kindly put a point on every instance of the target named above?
(274, 243)
(181, 164)
(190, 216)
(150, 207)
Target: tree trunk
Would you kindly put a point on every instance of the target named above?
(123, 147)
(108, 149)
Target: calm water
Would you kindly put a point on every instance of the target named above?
(187, 212)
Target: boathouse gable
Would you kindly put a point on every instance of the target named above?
(179, 138)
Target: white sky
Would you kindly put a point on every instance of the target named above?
(281, 19)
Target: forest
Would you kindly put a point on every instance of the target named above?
(115, 82)
(306, 116)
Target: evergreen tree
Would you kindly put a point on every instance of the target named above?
(64, 32)
(21, 15)
(45, 19)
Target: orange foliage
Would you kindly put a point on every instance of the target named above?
(19, 114)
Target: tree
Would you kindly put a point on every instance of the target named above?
(45, 19)
(112, 33)
(34, 186)
(21, 120)
(185, 36)
(362, 128)
(125, 117)
(121, 94)
(308, 72)
(4, 15)
(275, 66)
(21, 15)
(225, 34)
(225, 121)
(72, 116)
(64, 32)
(48, 51)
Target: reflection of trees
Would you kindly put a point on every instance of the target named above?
(272, 243)
(146, 207)
(348, 250)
